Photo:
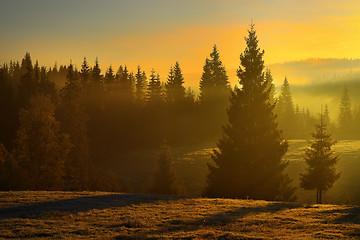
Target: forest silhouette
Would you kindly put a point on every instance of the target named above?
(62, 128)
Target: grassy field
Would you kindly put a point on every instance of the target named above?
(191, 166)
(101, 215)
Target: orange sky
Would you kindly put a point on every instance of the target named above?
(161, 33)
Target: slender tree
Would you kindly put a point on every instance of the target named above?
(249, 159)
(41, 150)
(214, 84)
(345, 113)
(285, 110)
(175, 91)
(28, 84)
(164, 179)
(74, 122)
(320, 159)
(154, 93)
(141, 85)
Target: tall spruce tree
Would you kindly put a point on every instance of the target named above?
(286, 111)
(164, 179)
(41, 149)
(214, 84)
(249, 159)
(74, 120)
(175, 91)
(154, 92)
(141, 85)
(345, 114)
(85, 74)
(320, 159)
(28, 84)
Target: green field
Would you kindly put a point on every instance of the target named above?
(191, 166)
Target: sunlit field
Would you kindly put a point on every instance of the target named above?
(191, 166)
(101, 215)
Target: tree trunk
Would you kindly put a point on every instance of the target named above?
(320, 196)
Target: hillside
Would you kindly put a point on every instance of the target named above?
(104, 215)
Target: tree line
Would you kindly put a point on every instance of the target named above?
(55, 139)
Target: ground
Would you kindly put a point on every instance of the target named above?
(191, 167)
(101, 215)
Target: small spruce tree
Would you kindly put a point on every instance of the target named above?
(320, 159)
(164, 179)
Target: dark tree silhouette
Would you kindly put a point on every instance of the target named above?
(320, 159)
(41, 150)
(175, 91)
(164, 179)
(141, 86)
(345, 114)
(214, 84)
(85, 75)
(154, 92)
(8, 170)
(28, 84)
(73, 118)
(248, 161)
(286, 111)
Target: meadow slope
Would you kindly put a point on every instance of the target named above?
(102, 215)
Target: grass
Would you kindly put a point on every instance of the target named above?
(101, 215)
(191, 165)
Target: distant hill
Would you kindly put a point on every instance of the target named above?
(101, 215)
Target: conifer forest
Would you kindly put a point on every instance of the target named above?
(111, 128)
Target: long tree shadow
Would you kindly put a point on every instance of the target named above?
(348, 215)
(79, 204)
(228, 217)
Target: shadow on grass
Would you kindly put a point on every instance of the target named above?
(79, 204)
(348, 215)
(229, 217)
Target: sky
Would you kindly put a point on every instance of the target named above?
(157, 33)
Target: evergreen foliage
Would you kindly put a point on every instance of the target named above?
(74, 120)
(214, 84)
(154, 92)
(141, 85)
(248, 161)
(320, 159)
(175, 91)
(41, 150)
(285, 110)
(164, 179)
(345, 113)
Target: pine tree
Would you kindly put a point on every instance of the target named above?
(320, 159)
(214, 84)
(141, 85)
(41, 150)
(47, 87)
(248, 161)
(28, 84)
(154, 92)
(109, 77)
(175, 91)
(345, 113)
(285, 110)
(85, 74)
(74, 122)
(164, 179)
(271, 86)
(326, 115)
(96, 77)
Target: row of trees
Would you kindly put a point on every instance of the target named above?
(296, 123)
(62, 139)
